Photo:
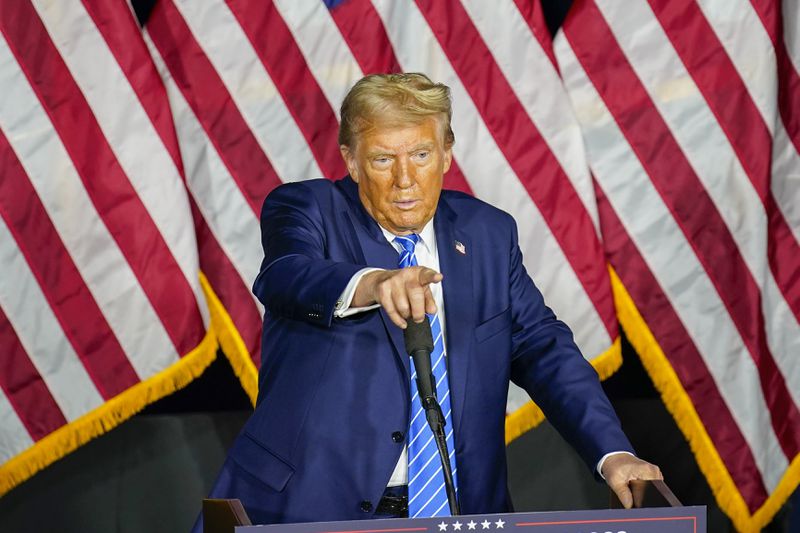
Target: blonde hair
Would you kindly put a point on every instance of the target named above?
(394, 99)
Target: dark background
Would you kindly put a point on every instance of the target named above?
(150, 473)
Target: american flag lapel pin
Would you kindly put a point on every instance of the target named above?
(460, 248)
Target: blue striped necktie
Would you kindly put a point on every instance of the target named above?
(426, 492)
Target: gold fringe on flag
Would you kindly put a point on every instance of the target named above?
(109, 415)
(231, 342)
(682, 409)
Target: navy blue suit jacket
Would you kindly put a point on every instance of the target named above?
(334, 392)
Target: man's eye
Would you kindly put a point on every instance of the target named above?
(423, 155)
(381, 160)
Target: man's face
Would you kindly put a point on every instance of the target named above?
(399, 171)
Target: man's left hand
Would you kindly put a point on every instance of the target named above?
(621, 468)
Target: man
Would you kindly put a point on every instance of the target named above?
(335, 434)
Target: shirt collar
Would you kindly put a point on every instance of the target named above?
(427, 236)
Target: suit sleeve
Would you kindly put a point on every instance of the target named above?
(547, 363)
(297, 279)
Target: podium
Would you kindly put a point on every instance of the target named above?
(651, 520)
(642, 519)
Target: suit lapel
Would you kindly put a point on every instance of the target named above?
(377, 253)
(455, 262)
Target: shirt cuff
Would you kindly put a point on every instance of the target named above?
(602, 461)
(343, 308)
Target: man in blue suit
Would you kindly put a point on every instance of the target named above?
(347, 264)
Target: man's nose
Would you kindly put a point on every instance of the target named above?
(404, 174)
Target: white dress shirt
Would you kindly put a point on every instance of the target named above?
(427, 255)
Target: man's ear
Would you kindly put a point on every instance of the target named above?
(349, 160)
(448, 158)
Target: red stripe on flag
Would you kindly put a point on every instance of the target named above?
(524, 149)
(684, 195)
(783, 255)
(228, 286)
(63, 287)
(213, 106)
(769, 11)
(782, 245)
(281, 57)
(531, 11)
(455, 180)
(723, 89)
(729, 100)
(363, 31)
(106, 183)
(22, 384)
(682, 354)
(788, 93)
(123, 35)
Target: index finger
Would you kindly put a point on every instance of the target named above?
(429, 275)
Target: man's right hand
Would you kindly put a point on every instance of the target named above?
(402, 293)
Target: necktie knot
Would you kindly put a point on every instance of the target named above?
(407, 244)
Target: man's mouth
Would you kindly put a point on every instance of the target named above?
(406, 204)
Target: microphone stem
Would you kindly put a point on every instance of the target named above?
(433, 413)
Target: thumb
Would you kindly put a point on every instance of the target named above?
(623, 492)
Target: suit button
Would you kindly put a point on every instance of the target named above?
(397, 436)
(366, 506)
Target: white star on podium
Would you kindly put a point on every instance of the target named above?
(499, 524)
(471, 524)
(442, 526)
(485, 524)
(457, 526)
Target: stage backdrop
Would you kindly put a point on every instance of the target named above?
(649, 156)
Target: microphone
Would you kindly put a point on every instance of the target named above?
(419, 345)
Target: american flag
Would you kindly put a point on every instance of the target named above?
(690, 112)
(133, 165)
(101, 305)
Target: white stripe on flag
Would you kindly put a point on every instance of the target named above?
(14, 438)
(128, 130)
(518, 53)
(326, 53)
(219, 199)
(739, 29)
(749, 47)
(785, 184)
(41, 335)
(228, 49)
(95, 253)
(791, 31)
